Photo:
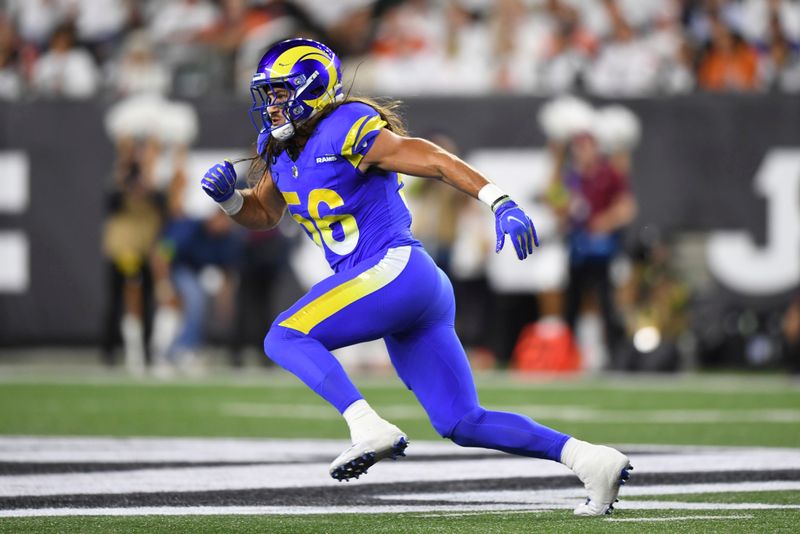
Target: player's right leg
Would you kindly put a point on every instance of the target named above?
(352, 306)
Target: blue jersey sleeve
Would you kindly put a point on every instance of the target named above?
(353, 128)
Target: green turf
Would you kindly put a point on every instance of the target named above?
(130, 408)
(773, 521)
(115, 406)
(763, 497)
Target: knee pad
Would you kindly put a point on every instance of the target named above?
(463, 431)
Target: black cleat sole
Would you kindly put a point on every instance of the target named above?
(358, 466)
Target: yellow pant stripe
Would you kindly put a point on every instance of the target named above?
(371, 280)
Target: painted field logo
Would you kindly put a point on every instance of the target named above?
(327, 158)
(189, 476)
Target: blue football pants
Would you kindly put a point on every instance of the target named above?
(400, 295)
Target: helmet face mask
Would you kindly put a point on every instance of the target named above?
(300, 77)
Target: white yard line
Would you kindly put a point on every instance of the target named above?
(492, 512)
(677, 518)
(251, 510)
(304, 463)
(557, 496)
(472, 509)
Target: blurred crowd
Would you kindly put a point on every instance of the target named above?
(182, 277)
(615, 48)
(179, 276)
(179, 272)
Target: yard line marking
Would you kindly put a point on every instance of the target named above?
(68, 449)
(64, 449)
(678, 518)
(717, 506)
(251, 510)
(569, 495)
(488, 512)
(450, 509)
(315, 474)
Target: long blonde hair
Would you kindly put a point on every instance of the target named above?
(261, 164)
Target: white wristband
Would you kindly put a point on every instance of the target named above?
(233, 205)
(490, 194)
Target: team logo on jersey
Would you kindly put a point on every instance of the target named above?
(327, 158)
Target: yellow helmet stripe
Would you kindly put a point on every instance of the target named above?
(284, 64)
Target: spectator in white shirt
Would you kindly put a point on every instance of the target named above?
(138, 71)
(757, 18)
(625, 67)
(568, 50)
(182, 21)
(37, 19)
(101, 24)
(779, 59)
(65, 71)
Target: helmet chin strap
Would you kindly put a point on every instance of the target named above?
(284, 132)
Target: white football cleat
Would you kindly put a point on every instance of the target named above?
(388, 442)
(602, 470)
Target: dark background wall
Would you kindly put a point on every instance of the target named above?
(694, 170)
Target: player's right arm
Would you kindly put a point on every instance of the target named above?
(259, 208)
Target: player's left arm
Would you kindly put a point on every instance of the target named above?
(419, 157)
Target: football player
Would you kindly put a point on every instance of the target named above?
(334, 163)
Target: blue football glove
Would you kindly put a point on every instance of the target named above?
(510, 219)
(219, 182)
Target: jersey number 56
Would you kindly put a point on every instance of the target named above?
(319, 227)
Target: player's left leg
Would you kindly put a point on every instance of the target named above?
(432, 363)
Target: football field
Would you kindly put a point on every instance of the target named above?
(99, 452)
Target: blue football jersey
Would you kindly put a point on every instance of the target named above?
(350, 214)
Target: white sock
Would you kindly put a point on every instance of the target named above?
(361, 419)
(133, 341)
(571, 450)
